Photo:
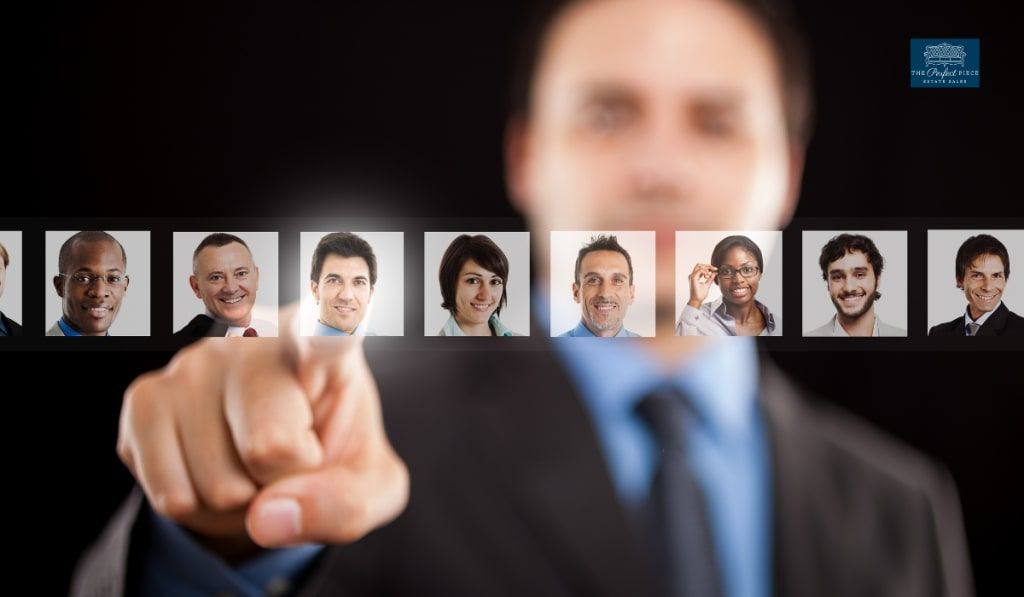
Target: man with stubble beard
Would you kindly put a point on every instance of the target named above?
(603, 289)
(851, 266)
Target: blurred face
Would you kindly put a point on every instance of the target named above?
(983, 284)
(3, 276)
(654, 115)
(738, 290)
(852, 284)
(478, 293)
(91, 307)
(605, 291)
(226, 279)
(343, 292)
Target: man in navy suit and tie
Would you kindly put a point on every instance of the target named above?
(640, 467)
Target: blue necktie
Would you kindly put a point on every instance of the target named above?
(676, 512)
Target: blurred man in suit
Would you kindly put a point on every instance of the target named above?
(982, 269)
(665, 466)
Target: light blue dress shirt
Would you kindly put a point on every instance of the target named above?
(582, 331)
(451, 327)
(726, 443)
(321, 329)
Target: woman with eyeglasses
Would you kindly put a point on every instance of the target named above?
(736, 266)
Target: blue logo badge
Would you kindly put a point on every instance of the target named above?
(937, 63)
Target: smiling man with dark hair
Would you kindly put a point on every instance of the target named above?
(982, 269)
(851, 266)
(341, 280)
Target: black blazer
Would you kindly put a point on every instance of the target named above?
(13, 329)
(1002, 322)
(201, 326)
(511, 496)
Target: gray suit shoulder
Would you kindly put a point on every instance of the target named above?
(877, 484)
(55, 330)
(103, 569)
(1014, 324)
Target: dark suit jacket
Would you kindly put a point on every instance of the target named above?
(13, 329)
(201, 326)
(511, 496)
(1002, 322)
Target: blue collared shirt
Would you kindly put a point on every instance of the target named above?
(727, 443)
(582, 331)
(3, 328)
(322, 329)
(68, 330)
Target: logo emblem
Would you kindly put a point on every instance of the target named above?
(944, 54)
(945, 63)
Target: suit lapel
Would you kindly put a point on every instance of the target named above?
(559, 477)
(996, 322)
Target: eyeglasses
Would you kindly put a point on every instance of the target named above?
(747, 271)
(81, 279)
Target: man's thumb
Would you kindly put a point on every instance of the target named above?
(332, 505)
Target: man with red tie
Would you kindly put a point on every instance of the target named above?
(226, 279)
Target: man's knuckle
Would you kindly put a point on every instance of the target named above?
(142, 401)
(268, 446)
(224, 495)
(175, 505)
(124, 452)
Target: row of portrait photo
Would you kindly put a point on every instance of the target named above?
(599, 283)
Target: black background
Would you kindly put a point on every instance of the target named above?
(387, 109)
